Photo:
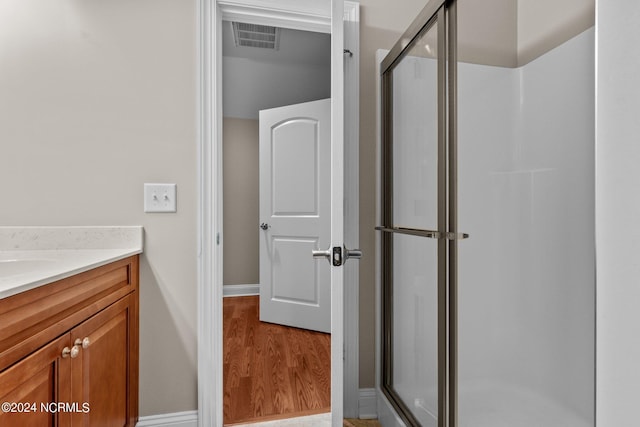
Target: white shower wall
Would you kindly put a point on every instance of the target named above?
(526, 274)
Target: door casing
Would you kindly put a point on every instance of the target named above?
(303, 15)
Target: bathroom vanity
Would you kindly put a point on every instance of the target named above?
(69, 329)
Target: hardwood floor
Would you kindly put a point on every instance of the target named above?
(272, 371)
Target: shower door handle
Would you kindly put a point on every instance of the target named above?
(424, 233)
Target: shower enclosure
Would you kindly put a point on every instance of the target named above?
(486, 225)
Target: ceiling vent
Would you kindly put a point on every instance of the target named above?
(253, 35)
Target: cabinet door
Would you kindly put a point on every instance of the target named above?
(100, 376)
(30, 388)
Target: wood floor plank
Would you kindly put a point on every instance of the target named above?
(281, 392)
(272, 371)
(260, 403)
(240, 408)
(233, 372)
(322, 368)
(304, 387)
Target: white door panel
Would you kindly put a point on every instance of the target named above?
(291, 266)
(295, 167)
(295, 203)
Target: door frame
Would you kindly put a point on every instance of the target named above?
(304, 15)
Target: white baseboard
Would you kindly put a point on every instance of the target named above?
(367, 409)
(240, 290)
(177, 419)
(317, 420)
(368, 404)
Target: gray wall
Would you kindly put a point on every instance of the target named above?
(381, 24)
(543, 25)
(97, 98)
(241, 202)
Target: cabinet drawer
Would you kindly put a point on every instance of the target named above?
(33, 318)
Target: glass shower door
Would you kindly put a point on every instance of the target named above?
(413, 224)
(505, 337)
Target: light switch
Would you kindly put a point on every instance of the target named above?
(160, 198)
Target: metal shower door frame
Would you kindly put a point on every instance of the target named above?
(444, 13)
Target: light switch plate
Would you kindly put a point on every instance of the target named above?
(160, 198)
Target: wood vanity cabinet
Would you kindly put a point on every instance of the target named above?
(69, 351)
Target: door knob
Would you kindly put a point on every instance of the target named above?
(265, 226)
(337, 256)
(322, 254)
(352, 253)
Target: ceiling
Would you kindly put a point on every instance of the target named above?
(255, 79)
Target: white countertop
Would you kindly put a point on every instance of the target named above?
(34, 256)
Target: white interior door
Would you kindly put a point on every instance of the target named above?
(295, 215)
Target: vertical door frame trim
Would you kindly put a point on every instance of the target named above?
(352, 208)
(209, 220)
(452, 118)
